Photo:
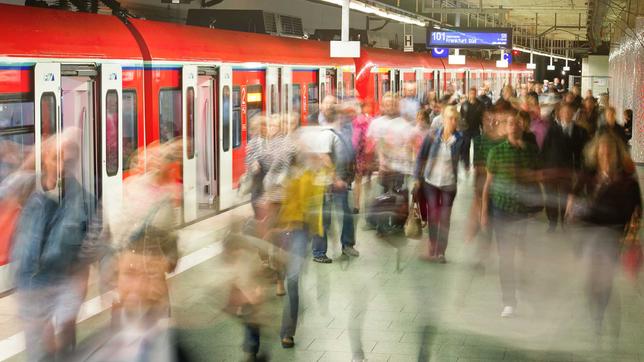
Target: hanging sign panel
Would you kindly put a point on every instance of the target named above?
(463, 38)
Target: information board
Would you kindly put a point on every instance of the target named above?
(463, 38)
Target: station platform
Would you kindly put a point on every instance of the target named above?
(392, 306)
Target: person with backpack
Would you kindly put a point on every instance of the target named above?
(336, 142)
(436, 172)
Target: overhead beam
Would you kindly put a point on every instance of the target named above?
(465, 11)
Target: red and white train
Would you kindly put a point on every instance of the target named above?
(129, 83)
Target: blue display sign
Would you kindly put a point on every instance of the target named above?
(480, 38)
(440, 52)
(508, 57)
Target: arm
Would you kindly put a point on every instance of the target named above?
(485, 207)
(421, 158)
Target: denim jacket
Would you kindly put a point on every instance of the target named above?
(429, 151)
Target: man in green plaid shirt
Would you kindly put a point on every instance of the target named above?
(510, 183)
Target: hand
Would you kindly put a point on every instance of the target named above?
(339, 185)
(416, 186)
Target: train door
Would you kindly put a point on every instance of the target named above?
(205, 138)
(394, 81)
(111, 136)
(47, 121)
(420, 91)
(322, 84)
(189, 154)
(340, 83)
(272, 91)
(286, 81)
(77, 114)
(226, 194)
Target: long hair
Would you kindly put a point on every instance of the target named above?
(621, 160)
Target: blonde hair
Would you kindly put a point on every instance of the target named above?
(450, 111)
(622, 160)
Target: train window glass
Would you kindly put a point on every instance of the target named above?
(225, 119)
(48, 129)
(322, 91)
(111, 132)
(16, 131)
(352, 83)
(169, 114)
(130, 130)
(297, 103)
(313, 102)
(190, 122)
(254, 106)
(275, 100)
(376, 89)
(237, 124)
(341, 92)
(385, 86)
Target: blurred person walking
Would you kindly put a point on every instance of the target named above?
(611, 125)
(333, 143)
(409, 104)
(511, 170)
(606, 202)
(472, 113)
(436, 172)
(364, 151)
(561, 158)
(51, 277)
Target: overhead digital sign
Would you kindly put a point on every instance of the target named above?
(463, 38)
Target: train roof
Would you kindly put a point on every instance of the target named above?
(168, 41)
(388, 58)
(48, 33)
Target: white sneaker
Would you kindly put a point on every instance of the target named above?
(508, 311)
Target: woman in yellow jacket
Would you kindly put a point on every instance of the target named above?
(300, 218)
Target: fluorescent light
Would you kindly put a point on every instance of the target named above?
(370, 9)
(501, 63)
(550, 67)
(456, 59)
(566, 69)
(540, 53)
(531, 66)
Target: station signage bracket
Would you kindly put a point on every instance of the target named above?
(470, 38)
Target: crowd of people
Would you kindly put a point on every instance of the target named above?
(536, 149)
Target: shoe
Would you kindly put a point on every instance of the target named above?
(280, 290)
(288, 342)
(355, 211)
(508, 311)
(441, 259)
(350, 251)
(322, 259)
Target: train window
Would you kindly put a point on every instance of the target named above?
(47, 129)
(225, 119)
(275, 100)
(130, 127)
(376, 89)
(254, 105)
(190, 122)
(352, 83)
(169, 114)
(237, 124)
(341, 92)
(297, 103)
(385, 86)
(112, 132)
(16, 131)
(313, 101)
(322, 91)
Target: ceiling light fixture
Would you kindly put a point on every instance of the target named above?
(381, 12)
(541, 53)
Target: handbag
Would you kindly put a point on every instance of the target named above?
(632, 256)
(414, 224)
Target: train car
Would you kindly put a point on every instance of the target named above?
(128, 83)
(62, 70)
(379, 71)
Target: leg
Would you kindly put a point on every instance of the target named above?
(506, 244)
(251, 338)
(445, 215)
(431, 195)
(297, 250)
(465, 150)
(348, 236)
(552, 203)
(357, 191)
(36, 312)
(320, 242)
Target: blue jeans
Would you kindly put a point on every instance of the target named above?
(295, 242)
(348, 236)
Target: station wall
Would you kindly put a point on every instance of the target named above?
(626, 69)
